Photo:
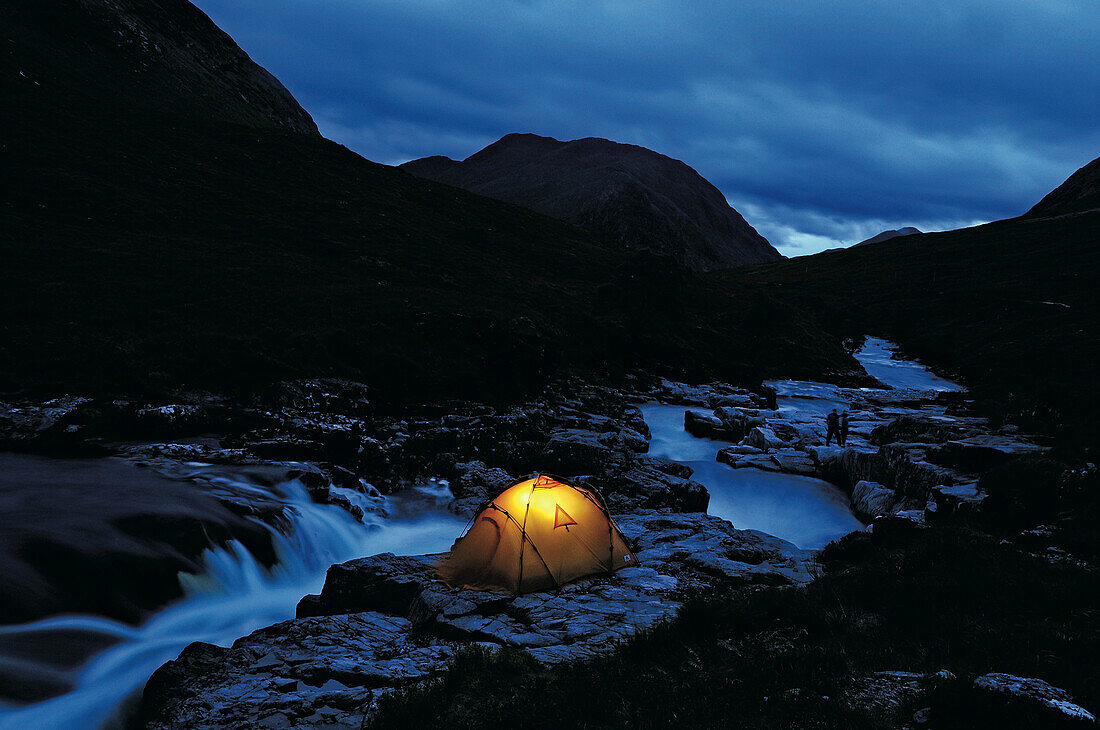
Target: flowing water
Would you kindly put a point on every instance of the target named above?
(878, 358)
(232, 596)
(808, 512)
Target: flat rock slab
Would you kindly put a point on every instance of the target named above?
(390, 623)
(1044, 703)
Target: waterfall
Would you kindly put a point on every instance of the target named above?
(233, 595)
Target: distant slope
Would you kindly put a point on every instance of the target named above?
(1081, 192)
(171, 219)
(628, 195)
(887, 235)
(1010, 306)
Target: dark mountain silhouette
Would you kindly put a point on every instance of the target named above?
(1080, 193)
(154, 232)
(161, 56)
(169, 216)
(887, 235)
(629, 195)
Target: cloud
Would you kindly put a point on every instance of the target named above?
(821, 120)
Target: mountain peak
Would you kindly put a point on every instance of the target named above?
(887, 235)
(1079, 193)
(166, 58)
(628, 195)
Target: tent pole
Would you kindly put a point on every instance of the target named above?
(523, 537)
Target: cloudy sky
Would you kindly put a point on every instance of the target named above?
(822, 121)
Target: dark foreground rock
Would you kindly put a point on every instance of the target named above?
(1010, 701)
(383, 622)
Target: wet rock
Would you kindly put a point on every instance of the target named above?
(871, 499)
(572, 451)
(1027, 702)
(385, 582)
(474, 484)
(788, 461)
(764, 438)
(705, 425)
(650, 484)
(739, 450)
(318, 672)
(56, 425)
(901, 467)
(982, 452)
(959, 498)
(666, 466)
(739, 399)
(908, 429)
(736, 422)
(321, 395)
(383, 622)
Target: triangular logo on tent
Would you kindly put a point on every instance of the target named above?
(562, 518)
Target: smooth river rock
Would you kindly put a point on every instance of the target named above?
(383, 622)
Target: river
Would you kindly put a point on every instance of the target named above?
(234, 593)
(231, 597)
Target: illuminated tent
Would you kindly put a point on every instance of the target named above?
(539, 534)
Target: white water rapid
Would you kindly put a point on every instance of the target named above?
(231, 597)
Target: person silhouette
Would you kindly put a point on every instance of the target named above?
(832, 424)
(842, 433)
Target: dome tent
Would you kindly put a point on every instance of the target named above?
(538, 534)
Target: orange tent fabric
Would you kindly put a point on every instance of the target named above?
(539, 534)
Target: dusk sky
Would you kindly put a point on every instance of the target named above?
(822, 121)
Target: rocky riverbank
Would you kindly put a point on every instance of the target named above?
(383, 623)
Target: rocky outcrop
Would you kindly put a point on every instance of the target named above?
(653, 484)
(629, 195)
(383, 622)
(871, 499)
(916, 447)
(1010, 701)
(474, 484)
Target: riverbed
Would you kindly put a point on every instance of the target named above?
(233, 595)
(91, 666)
(805, 511)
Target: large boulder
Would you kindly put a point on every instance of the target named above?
(386, 582)
(764, 438)
(653, 484)
(573, 451)
(704, 424)
(1005, 700)
(474, 484)
(871, 499)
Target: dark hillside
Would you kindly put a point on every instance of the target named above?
(1011, 307)
(116, 57)
(149, 242)
(629, 196)
(1080, 193)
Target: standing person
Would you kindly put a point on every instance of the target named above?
(842, 435)
(832, 427)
